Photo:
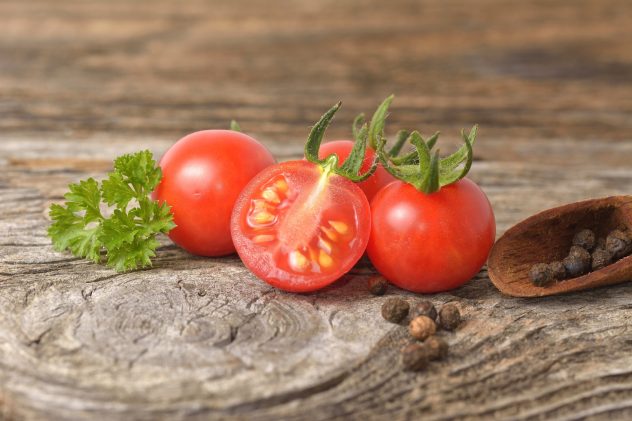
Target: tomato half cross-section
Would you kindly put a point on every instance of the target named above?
(203, 174)
(298, 228)
(301, 225)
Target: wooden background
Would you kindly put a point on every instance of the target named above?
(549, 82)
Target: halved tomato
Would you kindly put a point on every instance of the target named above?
(300, 227)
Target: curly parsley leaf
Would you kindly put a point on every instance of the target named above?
(128, 235)
(76, 226)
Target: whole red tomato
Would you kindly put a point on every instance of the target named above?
(203, 174)
(375, 182)
(430, 242)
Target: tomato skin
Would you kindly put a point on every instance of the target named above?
(203, 174)
(375, 182)
(430, 243)
(300, 219)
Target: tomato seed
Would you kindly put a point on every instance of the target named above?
(263, 238)
(271, 196)
(281, 185)
(341, 227)
(324, 245)
(259, 205)
(331, 234)
(325, 260)
(263, 217)
(298, 262)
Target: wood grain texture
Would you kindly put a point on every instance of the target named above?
(83, 81)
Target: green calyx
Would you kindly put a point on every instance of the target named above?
(421, 167)
(376, 127)
(424, 169)
(234, 126)
(350, 168)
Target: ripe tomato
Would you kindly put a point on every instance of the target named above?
(430, 242)
(373, 184)
(203, 174)
(300, 227)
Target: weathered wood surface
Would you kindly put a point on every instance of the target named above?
(80, 82)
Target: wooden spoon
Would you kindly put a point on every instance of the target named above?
(547, 236)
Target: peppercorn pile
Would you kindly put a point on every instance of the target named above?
(587, 253)
(423, 323)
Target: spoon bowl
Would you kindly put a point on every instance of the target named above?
(547, 237)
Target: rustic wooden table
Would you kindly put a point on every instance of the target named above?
(550, 83)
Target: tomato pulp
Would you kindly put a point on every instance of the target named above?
(203, 174)
(430, 242)
(375, 182)
(299, 227)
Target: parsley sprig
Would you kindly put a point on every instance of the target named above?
(128, 234)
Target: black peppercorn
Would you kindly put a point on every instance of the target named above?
(618, 244)
(585, 239)
(575, 266)
(423, 308)
(558, 270)
(437, 348)
(600, 258)
(415, 357)
(581, 253)
(395, 309)
(540, 274)
(422, 327)
(377, 285)
(449, 317)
